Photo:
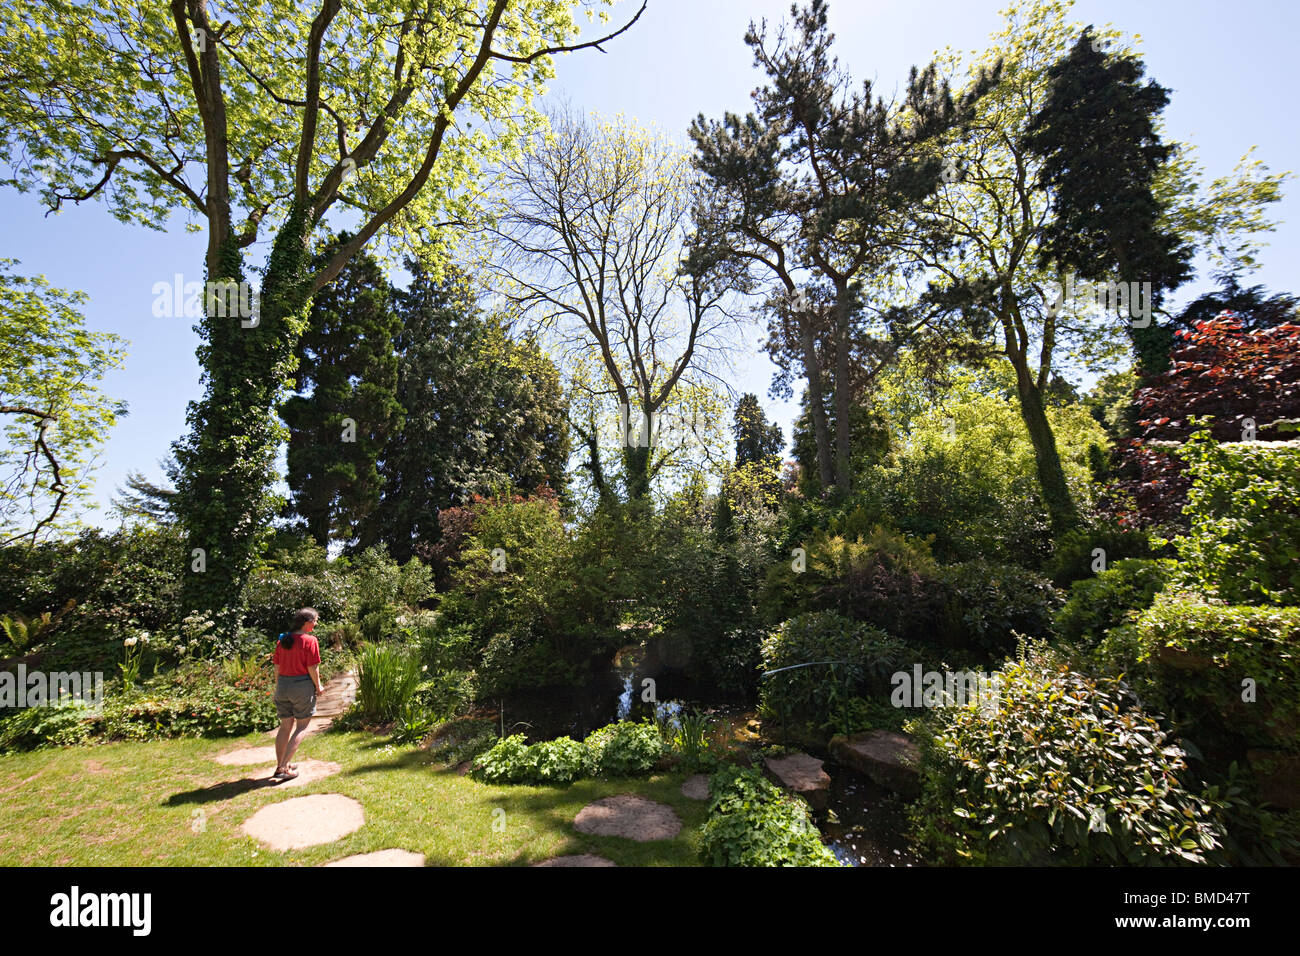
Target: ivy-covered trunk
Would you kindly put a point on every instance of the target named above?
(227, 460)
(1051, 476)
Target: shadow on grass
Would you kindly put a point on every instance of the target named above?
(220, 791)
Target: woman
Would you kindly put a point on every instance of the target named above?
(297, 682)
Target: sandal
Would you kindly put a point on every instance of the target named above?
(285, 775)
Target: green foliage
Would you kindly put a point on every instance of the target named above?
(1191, 660)
(1073, 558)
(863, 658)
(482, 409)
(54, 416)
(347, 372)
(387, 682)
(28, 728)
(688, 735)
(1098, 604)
(753, 823)
(962, 471)
(1244, 541)
(1066, 770)
(986, 605)
(117, 582)
(624, 749)
(511, 760)
(701, 592)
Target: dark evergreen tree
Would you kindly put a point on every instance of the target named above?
(756, 438)
(1101, 149)
(346, 409)
(482, 410)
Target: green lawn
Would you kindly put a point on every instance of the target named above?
(134, 804)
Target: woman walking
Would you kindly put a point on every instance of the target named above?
(297, 682)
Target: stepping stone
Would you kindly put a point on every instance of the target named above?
(887, 757)
(696, 787)
(305, 821)
(245, 755)
(309, 771)
(577, 859)
(802, 774)
(382, 858)
(629, 816)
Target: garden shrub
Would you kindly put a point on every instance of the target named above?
(1066, 770)
(1191, 659)
(118, 582)
(815, 696)
(28, 728)
(1073, 558)
(513, 760)
(752, 822)
(1111, 598)
(985, 605)
(1243, 543)
(288, 579)
(624, 749)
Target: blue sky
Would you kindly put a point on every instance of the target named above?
(1231, 72)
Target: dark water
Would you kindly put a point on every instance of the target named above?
(864, 824)
(868, 823)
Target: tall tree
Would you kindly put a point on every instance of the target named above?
(1001, 207)
(258, 118)
(588, 242)
(346, 409)
(482, 410)
(53, 415)
(756, 438)
(813, 190)
(1098, 138)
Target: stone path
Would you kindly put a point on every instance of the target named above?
(696, 787)
(629, 816)
(320, 818)
(801, 774)
(382, 858)
(305, 821)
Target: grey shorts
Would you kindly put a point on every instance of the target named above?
(295, 696)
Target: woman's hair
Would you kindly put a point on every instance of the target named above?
(300, 617)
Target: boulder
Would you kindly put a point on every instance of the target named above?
(801, 774)
(885, 756)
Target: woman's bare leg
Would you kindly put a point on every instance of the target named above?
(282, 743)
(292, 746)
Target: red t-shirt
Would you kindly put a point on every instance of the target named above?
(295, 660)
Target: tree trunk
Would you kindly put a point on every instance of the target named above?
(227, 460)
(816, 408)
(843, 395)
(1051, 477)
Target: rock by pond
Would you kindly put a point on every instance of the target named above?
(885, 756)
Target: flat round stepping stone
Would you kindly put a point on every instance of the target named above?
(305, 821)
(382, 858)
(309, 771)
(577, 859)
(629, 816)
(245, 755)
(696, 787)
